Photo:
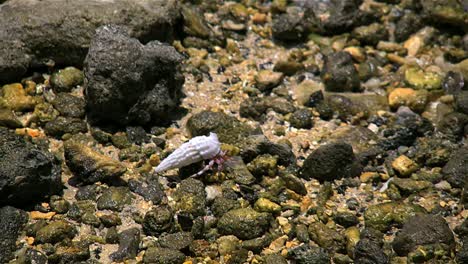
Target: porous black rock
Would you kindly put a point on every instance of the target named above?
(28, 174)
(12, 221)
(127, 82)
(330, 162)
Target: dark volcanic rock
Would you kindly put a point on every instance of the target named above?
(461, 102)
(14, 61)
(456, 169)
(289, 26)
(443, 12)
(128, 82)
(423, 230)
(34, 32)
(63, 125)
(12, 221)
(332, 16)
(330, 162)
(158, 220)
(407, 25)
(150, 189)
(157, 255)
(306, 254)
(339, 73)
(27, 173)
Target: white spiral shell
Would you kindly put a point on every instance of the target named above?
(196, 149)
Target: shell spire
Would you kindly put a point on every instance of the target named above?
(195, 150)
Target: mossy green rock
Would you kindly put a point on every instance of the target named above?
(55, 232)
(64, 80)
(263, 165)
(237, 170)
(45, 112)
(228, 128)
(382, 216)
(90, 166)
(65, 125)
(326, 237)
(409, 186)
(301, 118)
(244, 223)
(157, 255)
(371, 34)
(222, 205)
(190, 197)
(265, 205)
(9, 119)
(14, 97)
(158, 220)
(178, 241)
(114, 198)
(419, 79)
(69, 105)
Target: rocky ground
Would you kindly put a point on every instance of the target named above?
(345, 123)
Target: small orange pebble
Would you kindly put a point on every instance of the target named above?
(30, 240)
(40, 215)
(306, 203)
(259, 18)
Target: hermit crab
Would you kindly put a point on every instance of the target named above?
(195, 150)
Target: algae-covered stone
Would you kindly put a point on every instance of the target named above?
(301, 118)
(66, 79)
(222, 205)
(330, 162)
(445, 12)
(9, 119)
(256, 107)
(178, 241)
(90, 166)
(409, 186)
(288, 67)
(244, 223)
(420, 79)
(237, 170)
(293, 183)
(346, 219)
(158, 220)
(228, 128)
(44, 113)
(58, 204)
(404, 165)
(339, 73)
(158, 255)
(31, 256)
(84, 211)
(408, 24)
(263, 165)
(326, 237)
(55, 232)
(69, 105)
(64, 125)
(360, 138)
(461, 102)
(265, 205)
(307, 254)
(227, 244)
(114, 198)
(190, 197)
(15, 98)
(382, 216)
(129, 241)
(423, 230)
(371, 34)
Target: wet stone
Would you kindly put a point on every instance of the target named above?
(58, 204)
(301, 118)
(87, 192)
(423, 230)
(90, 166)
(409, 186)
(266, 79)
(9, 119)
(110, 220)
(244, 223)
(461, 102)
(330, 162)
(66, 79)
(339, 73)
(346, 219)
(129, 241)
(150, 189)
(69, 105)
(157, 255)
(158, 221)
(370, 34)
(114, 198)
(456, 169)
(15, 98)
(65, 125)
(384, 215)
(32, 256)
(275, 259)
(408, 24)
(137, 135)
(326, 237)
(190, 197)
(177, 241)
(222, 205)
(370, 251)
(75, 253)
(55, 232)
(263, 165)
(453, 83)
(306, 254)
